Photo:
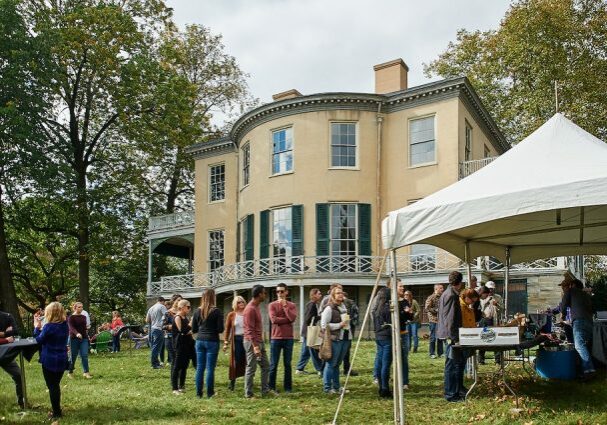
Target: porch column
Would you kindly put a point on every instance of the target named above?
(149, 267)
(301, 307)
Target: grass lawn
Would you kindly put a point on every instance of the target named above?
(126, 390)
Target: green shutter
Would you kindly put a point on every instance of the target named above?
(238, 246)
(264, 234)
(364, 229)
(297, 228)
(250, 223)
(322, 229)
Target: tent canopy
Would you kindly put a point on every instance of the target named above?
(545, 197)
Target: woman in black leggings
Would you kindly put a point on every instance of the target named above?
(182, 346)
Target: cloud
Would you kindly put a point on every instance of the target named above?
(331, 45)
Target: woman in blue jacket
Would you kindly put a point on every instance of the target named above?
(53, 355)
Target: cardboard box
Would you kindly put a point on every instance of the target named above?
(489, 336)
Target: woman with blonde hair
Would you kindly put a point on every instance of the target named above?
(182, 346)
(79, 340)
(234, 333)
(335, 323)
(207, 324)
(53, 354)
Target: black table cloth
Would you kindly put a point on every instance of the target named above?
(599, 341)
(8, 352)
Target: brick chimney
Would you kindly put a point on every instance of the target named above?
(289, 94)
(391, 76)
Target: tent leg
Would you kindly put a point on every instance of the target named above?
(467, 261)
(506, 283)
(399, 408)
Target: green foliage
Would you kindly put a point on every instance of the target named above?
(537, 43)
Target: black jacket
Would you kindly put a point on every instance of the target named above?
(7, 321)
(449, 315)
(310, 314)
(383, 322)
(209, 329)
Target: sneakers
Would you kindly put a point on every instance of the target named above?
(406, 387)
(270, 393)
(70, 375)
(176, 392)
(87, 375)
(301, 372)
(375, 381)
(432, 356)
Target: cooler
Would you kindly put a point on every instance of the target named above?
(555, 364)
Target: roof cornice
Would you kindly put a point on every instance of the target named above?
(390, 102)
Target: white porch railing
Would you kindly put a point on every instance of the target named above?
(468, 167)
(345, 266)
(169, 221)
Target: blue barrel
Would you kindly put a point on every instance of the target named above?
(556, 364)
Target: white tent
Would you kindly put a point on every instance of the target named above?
(547, 196)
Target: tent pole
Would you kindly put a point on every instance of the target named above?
(506, 283)
(399, 408)
(467, 261)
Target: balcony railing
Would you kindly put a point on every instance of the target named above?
(344, 266)
(468, 167)
(170, 221)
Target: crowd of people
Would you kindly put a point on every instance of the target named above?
(197, 336)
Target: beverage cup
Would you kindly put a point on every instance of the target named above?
(345, 317)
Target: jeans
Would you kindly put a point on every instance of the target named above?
(12, 368)
(79, 346)
(276, 346)
(582, 335)
(156, 341)
(168, 343)
(347, 355)
(404, 349)
(116, 343)
(330, 376)
(376, 364)
(434, 341)
(53, 383)
(384, 348)
(206, 359)
(412, 328)
(252, 362)
(454, 373)
(306, 354)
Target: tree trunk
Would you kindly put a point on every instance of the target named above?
(83, 236)
(8, 296)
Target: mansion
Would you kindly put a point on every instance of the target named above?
(297, 191)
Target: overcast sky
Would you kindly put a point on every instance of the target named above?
(319, 46)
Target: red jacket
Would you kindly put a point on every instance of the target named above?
(282, 319)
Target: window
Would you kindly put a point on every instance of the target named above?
(422, 142)
(216, 245)
(217, 182)
(423, 257)
(282, 239)
(344, 237)
(486, 152)
(246, 163)
(282, 151)
(468, 146)
(343, 145)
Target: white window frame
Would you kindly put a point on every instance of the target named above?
(210, 183)
(272, 132)
(343, 262)
(467, 141)
(210, 260)
(246, 164)
(356, 165)
(421, 164)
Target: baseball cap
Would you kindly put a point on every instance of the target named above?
(490, 284)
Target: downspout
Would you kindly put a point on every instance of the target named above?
(378, 209)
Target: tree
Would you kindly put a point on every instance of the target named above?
(538, 42)
(22, 100)
(218, 86)
(103, 76)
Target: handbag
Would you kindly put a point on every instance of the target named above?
(313, 338)
(325, 352)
